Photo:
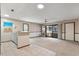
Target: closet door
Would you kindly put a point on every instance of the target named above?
(69, 31)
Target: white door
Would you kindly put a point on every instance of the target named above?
(69, 34)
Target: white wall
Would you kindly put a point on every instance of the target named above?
(34, 29)
(77, 30)
(59, 31)
(62, 31)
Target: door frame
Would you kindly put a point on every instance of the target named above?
(65, 29)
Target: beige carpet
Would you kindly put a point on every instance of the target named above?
(42, 46)
(9, 49)
(61, 47)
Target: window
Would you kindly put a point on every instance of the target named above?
(49, 29)
(25, 27)
(55, 28)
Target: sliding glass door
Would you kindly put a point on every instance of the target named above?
(43, 31)
(55, 31)
(50, 31)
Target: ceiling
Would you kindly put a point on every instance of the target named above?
(29, 12)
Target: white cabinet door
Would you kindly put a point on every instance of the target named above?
(23, 41)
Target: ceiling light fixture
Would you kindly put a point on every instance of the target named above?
(40, 6)
(12, 10)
